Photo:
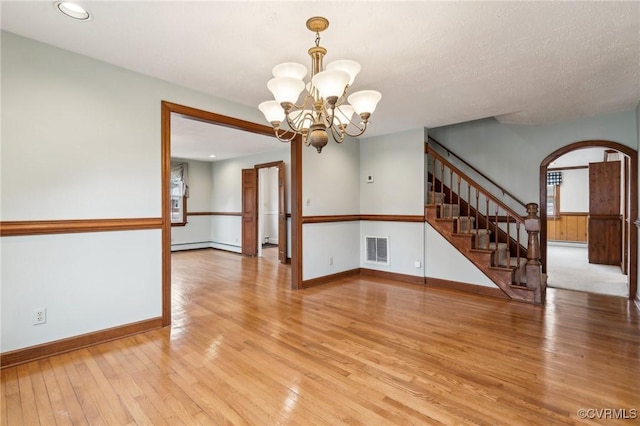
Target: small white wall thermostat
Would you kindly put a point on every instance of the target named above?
(369, 179)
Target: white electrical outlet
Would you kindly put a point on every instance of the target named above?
(417, 264)
(39, 316)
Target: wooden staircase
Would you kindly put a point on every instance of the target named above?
(485, 230)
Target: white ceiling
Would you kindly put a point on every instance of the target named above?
(579, 157)
(436, 63)
(197, 140)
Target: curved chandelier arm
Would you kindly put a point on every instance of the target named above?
(337, 134)
(281, 134)
(342, 125)
(360, 131)
(301, 122)
(293, 107)
(343, 98)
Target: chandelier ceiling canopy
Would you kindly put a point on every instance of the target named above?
(326, 106)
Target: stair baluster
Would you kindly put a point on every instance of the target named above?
(458, 203)
(477, 245)
(518, 271)
(509, 251)
(486, 215)
(499, 246)
(469, 207)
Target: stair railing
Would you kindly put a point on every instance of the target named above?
(491, 215)
(517, 203)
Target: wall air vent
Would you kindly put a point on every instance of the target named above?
(377, 250)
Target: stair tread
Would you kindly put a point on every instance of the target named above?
(502, 268)
(481, 231)
(521, 287)
(513, 263)
(461, 234)
(493, 258)
(445, 219)
(500, 245)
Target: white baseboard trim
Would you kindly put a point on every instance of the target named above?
(227, 247)
(190, 246)
(206, 244)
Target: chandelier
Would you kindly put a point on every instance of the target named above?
(324, 108)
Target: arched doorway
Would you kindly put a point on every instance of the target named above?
(632, 179)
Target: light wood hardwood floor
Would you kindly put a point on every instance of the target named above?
(245, 349)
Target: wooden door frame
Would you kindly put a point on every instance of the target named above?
(631, 179)
(167, 108)
(282, 242)
(252, 235)
(626, 219)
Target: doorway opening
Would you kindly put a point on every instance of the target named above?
(270, 236)
(168, 109)
(264, 212)
(588, 200)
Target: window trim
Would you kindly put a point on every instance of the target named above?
(183, 222)
(556, 202)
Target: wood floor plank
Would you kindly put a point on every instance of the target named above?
(147, 384)
(85, 390)
(74, 410)
(123, 385)
(11, 397)
(43, 395)
(244, 348)
(4, 419)
(54, 393)
(27, 396)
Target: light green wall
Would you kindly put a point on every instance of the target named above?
(81, 140)
(511, 154)
(396, 163)
(84, 138)
(197, 231)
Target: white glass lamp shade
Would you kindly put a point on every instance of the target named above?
(365, 101)
(330, 83)
(302, 119)
(290, 69)
(272, 111)
(350, 67)
(344, 113)
(285, 89)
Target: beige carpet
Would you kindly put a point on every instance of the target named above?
(568, 268)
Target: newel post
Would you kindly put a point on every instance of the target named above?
(533, 268)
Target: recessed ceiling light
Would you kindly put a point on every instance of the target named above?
(72, 10)
(212, 156)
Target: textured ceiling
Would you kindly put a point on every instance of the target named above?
(436, 63)
(197, 140)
